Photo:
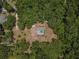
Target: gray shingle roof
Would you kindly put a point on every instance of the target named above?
(3, 18)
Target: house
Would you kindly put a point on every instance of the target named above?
(3, 18)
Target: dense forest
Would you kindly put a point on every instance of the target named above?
(62, 17)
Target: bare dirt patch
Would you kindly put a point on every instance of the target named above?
(30, 34)
(48, 33)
